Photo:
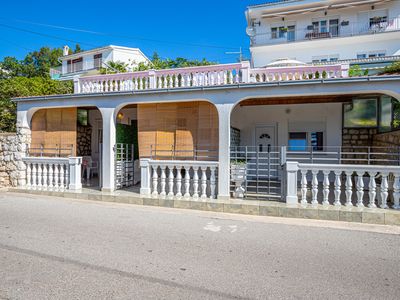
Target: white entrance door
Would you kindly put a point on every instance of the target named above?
(265, 138)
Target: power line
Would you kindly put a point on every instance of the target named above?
(47, 35)
(18, 45)
(122, 36)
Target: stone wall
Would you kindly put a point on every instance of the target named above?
(84, 140)
(12, 149)
(388, 139)
(358, 137)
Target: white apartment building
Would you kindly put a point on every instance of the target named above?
(89, 62)
(323, 30)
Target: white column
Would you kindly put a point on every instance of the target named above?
(145, 178)
(338, 185)
(314, 187)
(291, 182)
(396, 191)
(224, 117)
(75, 164)
(360, 188)
(109, 140)
(326, 187)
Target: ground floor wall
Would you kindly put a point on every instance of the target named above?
(324, 117)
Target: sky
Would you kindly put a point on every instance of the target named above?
(191, 29)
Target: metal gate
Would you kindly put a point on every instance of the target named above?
(263, 171)
(124, 165)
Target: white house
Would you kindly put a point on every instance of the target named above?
(283, 130)
(90, 61)
(323, 30)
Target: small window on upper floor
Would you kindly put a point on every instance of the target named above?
(361, 55)
(274, 33)
(98, 60)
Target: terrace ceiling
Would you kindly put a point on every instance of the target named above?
(304, 8)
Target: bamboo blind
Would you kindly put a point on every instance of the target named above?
(55, 127)
(181, 126)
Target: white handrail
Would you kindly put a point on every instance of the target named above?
(332, 184)
(53, 174)
(178, 179)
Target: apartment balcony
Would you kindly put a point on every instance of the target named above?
(283, 35)
(204, 76)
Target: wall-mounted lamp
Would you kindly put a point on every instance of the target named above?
(120, 116)
(254, 23)
(372, 7)
(325, 13)
(283, 19)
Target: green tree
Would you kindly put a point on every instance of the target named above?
(158, 63)
(392, 69)
(23, 87)
(356, 71)
(114, 67)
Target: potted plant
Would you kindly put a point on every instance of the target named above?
(238, 176)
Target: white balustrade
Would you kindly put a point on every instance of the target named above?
(274, 74)
(163, 79)
(179, 179)
(53, 174)
(351, 185)
(211, 75)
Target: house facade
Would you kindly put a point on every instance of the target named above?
(91, 61)
(323, 30)
(289, 131)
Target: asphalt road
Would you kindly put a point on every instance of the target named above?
(55, 248)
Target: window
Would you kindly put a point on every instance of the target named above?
(360, 113)
(98, 60)
(317, 141)
(291, 36)
(376, 22)
(371, 54)
(385, 113)
(274, 33)
(77, 64)
(82, 117)
(334, 27)
(282, 32)
(297, 141)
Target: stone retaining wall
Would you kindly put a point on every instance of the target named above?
(388, 139)
(12, 149)
(358, 137)
(84, 141)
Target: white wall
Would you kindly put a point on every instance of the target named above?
(132, 58)
(357, 17)
(326, 117)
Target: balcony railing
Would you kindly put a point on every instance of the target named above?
(343, 29)
(214, 75)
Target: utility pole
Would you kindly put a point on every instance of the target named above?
(237, 52)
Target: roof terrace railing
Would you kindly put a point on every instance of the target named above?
(265, 36)
(204, 76)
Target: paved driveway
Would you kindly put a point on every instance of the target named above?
(55, 248)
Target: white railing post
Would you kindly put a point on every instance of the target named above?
(291, 168)
(152, 79)
(245, 70)
(145, 178)
(77, 86)
(75, 173)
(396, 191)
